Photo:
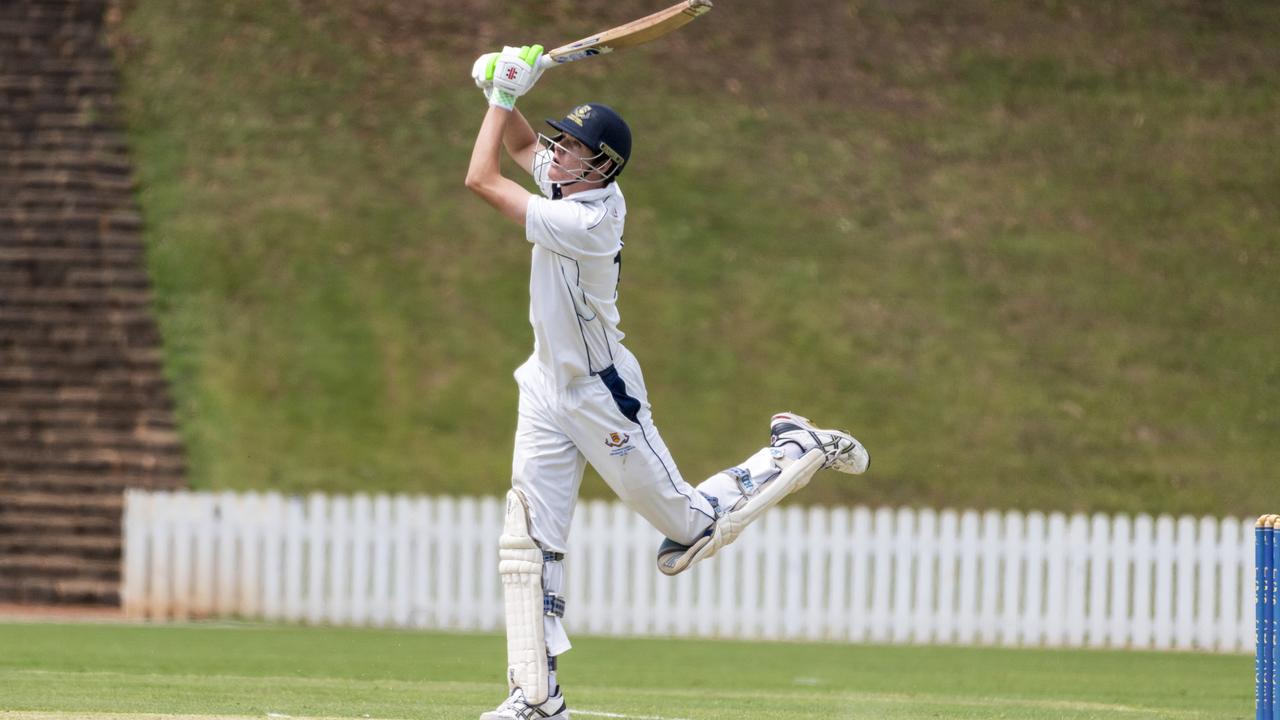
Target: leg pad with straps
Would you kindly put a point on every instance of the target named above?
(520, 562)
(674, 558)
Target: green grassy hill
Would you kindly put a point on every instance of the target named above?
(1027, 252)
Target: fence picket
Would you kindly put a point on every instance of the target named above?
(158, 538)
(1011, 595)
(1141, 629)
(250, 560)
(1077, 578)
(271, 512)
(380, 594)
(748, 548)
(1096, 612)
(967, 617)
(881, 578)
(817, 547)
(339, 593)
(492, 515)
(988, 596)
(1121, 541)
(294, 530)
(181, 560)
(793, 571)
(838, 604)
(1207, 583)
(838, 574)
(1228, 560)
(445, 559)
(136, 520)
(948, 542)
(923, 577)
(861, 548)
(228, 540)
(596, 579)
(1184, 577)
(1031, 625)
(361, 537)
(423, 605)
(643, 549)
(1162, 591)
(1245, 609)
(317, 556)
(402, 544)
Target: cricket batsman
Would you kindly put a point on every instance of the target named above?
(582, 395)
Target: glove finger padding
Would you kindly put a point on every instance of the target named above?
(482, 70)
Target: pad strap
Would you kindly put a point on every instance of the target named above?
(553, 605)
(674, 558)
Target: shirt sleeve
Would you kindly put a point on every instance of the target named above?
(569, 228)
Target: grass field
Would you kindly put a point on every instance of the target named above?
(64, 671)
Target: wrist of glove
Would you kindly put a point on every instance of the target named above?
(507, 75)
(501, 98)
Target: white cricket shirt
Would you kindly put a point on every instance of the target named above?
(573, 280)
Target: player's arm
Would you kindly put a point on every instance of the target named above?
(505, 76)
(484, 176)
(520, 141)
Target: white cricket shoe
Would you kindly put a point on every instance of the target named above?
(842, 451)
(515, 708)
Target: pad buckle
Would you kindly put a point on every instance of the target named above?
(553, 605)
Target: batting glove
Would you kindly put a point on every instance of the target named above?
(513, 74)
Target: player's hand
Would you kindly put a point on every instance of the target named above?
(514, 73)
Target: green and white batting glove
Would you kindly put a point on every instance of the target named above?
(513, 74)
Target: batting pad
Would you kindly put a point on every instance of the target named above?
(795, 475)
(520, 565)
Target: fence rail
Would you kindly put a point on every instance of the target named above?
(837, 574)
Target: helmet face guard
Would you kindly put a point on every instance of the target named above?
(590, 170)
(602, 131)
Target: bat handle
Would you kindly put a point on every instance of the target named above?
(545, 61)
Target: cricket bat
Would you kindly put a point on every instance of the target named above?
(633, 33)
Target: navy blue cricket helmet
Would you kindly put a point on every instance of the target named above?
(600, 128)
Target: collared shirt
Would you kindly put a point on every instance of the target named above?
(573, 279)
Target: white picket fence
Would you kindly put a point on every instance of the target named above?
(835, 574)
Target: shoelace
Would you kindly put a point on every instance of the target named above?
(832, 449)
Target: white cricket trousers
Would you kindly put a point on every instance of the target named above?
(602, 419)
(605, 420)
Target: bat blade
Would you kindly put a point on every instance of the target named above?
(633, 33)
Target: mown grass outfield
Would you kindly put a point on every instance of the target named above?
(62, 671)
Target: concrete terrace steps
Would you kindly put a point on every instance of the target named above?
(70, 482)
(61, 590)
(85, 411)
